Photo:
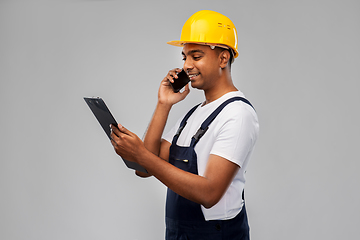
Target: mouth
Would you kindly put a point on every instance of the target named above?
(193, 76)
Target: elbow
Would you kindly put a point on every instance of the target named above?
(210, 197)
(209, 205)
(210, 202)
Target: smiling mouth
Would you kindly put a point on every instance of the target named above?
(192, 76)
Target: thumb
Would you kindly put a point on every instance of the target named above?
(123, 129)
(186, 91)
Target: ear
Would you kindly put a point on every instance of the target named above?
(224, 58)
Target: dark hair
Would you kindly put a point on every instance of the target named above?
(231, 59)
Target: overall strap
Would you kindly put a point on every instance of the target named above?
(183, 123)
(205, 125)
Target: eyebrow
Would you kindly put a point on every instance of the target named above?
(192, 51)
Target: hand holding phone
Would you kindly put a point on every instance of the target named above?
(180, 82)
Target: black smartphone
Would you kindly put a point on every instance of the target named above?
(180, 82)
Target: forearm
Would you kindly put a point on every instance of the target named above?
(205, 190)
(191, 186)
(166, 98)
(152, 139)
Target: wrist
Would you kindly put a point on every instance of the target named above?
(164, 106)
(143, 157)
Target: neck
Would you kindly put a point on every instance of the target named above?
(221, 87)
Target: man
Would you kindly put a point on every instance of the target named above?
(207, 151)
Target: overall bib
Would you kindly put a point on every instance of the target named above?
(184, 218)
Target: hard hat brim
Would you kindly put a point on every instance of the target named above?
(182, 43)
(176, 43)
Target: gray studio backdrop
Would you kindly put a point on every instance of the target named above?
(59, 177)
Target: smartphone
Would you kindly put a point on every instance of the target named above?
(180, 82)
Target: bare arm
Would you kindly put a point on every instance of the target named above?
(206, 190)
(152, 139)
(166, 98)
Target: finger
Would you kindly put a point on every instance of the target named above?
(113, 137)
(185, 92)
(113, 143)
(175, 71)
(173, 74)
(112, 140)
(123, 130)
(166, 82)
(178, 70)
(114, 130)
(170, 77)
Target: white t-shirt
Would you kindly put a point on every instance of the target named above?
(232, 135)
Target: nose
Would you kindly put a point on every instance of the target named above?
(188, 65)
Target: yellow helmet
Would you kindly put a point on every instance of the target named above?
(209, 28)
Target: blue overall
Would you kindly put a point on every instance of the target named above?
(184, 218)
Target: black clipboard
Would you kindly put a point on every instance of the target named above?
(105, 118)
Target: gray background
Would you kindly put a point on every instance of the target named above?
(299, 64)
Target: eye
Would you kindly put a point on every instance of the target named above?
(196, 57)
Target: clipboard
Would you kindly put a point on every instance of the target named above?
(105, 118)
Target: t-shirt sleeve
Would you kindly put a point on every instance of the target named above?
(237, 135)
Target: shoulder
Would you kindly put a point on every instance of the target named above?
(237, 121)
(238, 110)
